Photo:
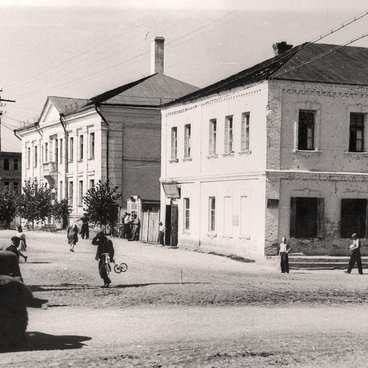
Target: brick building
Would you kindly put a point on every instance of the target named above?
(279, 149)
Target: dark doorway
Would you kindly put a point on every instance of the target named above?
(353, 217)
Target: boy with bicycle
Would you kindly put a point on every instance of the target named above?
(105, 255)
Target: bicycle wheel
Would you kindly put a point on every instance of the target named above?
(117, 268)
(123, 267)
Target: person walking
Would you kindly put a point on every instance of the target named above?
(85, 227)
(20, 234)
(162, 234)
(355, 255)
(14, 247)
(284, 256)
(72, 235)
(104, 248)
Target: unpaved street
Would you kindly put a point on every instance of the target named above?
(185, 309)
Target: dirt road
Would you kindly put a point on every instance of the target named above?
(176, 308)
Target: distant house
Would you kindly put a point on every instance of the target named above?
(114, 136)
(10, 161)
(277, 150)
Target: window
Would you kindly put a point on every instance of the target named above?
(6, 185)
(16, 187)
(71, 149)
(228, 134)
(61, 190)
(35, 156)
(6, 164)
(56, 145)
(353, 217)
(91, 183)
(16, 164)
(187, 140)
(228, 216)
(306, 130)
(306, 217)
(46, 152)
(71, 194)
(213, 131)
(61, 151)
(245, 216)
(80, 197)
(212, 214)
(356, 141)
(244, 139)
(92, 146)
(174, 143)
(81, 147)
(28, 158)
(186, 213)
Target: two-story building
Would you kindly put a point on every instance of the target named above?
(277, 150)
(10, 161)
(114, 136)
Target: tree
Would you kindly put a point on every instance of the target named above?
(61, 211)
(100, 203)
(35, 202)
(8, 206)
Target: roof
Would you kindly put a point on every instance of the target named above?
(308, 62)
(153, 90)
(66, 104)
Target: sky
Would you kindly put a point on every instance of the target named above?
(81, 48)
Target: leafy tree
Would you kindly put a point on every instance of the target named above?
(9, 201)
(100, 203)
(61, 211)
(35, 202)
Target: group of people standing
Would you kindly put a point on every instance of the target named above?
(355, 257)
(131, 226)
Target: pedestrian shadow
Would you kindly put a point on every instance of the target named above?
(41, 341)
(60, 287)
(121, 286)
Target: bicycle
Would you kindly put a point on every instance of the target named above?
(120, 267)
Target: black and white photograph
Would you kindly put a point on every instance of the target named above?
(183, 183)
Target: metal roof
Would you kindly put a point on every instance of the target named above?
(319, 63)
(153, 90)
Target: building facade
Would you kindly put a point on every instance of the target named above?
(278, 150)
(114, 136)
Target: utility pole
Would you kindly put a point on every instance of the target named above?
(1, 115)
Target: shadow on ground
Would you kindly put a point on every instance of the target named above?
(41, 341)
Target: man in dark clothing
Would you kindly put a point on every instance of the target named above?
(14, 248)
(85, 227)
(105, 255)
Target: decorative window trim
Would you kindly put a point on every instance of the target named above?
(307, 152)
(212, 235)
(212, 156)
(243, 153)
(174, 160)
(187, 159)
(356, 154)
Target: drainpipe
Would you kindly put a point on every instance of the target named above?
(107, 138)
(15, 133)
(66, 143)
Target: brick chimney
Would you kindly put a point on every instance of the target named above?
(157, 55)
(281, 47)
